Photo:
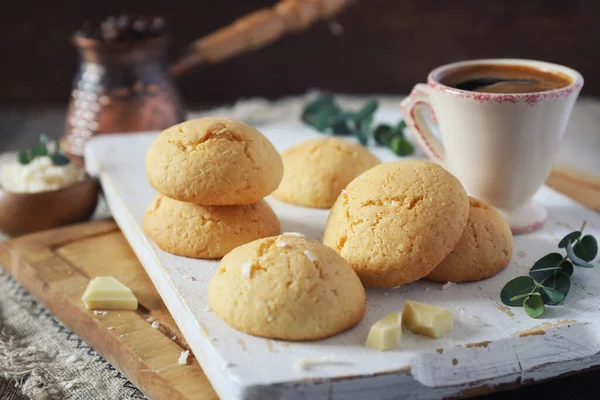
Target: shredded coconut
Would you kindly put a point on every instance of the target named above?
(150, 319)
(207, 309)
(281, 244)
(247, 270)
(270, 318)
(385, 294)
(447, 285)
(155, 324)
(98, 312)
(310, 256)
(294, 234)
(173, 337)
(40, 175)
(183, 357)
(111, 328)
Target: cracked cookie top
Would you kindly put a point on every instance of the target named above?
(287, 287)
(213, 161)
(316, 171)
(397, 221)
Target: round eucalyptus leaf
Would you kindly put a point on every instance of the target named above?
(549, 265)
(576, 260)
(586, 248)
(24, 157)
(383, 134)
(367, 110)
(534, 306)
(59, 159)
(570, 238)
(515, 287)
(555, 288)
(400, 146)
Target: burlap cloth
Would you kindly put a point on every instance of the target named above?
(48, 361)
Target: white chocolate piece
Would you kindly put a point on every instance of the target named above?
(183, 357)
(386, 333)
(107, 293)
(427, 320)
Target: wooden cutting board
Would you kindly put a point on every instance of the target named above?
(56, 266)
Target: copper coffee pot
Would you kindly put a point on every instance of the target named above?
(128, 86)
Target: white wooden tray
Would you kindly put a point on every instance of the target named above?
(477, 354)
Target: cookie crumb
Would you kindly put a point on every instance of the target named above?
(447, 285)
(155, 324)
(73, 358)
(189, 278)
(310, 256)
(304, 364)
(183, 357)
(227, 365)
(247, 270)
(297, 234)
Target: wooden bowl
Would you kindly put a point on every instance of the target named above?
(22, 213)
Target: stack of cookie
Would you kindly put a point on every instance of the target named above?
(212, 175)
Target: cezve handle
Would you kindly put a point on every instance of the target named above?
(257, 30)
(412, 113)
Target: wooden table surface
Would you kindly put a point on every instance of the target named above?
(20, 126)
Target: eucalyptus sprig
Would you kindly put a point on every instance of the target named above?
(326, 116)
(549, 278)
(41, 150)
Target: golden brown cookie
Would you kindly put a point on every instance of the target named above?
(193, 230)
(484, 249)
(316, 171)
(213, 161)
(287, 287)
(396, 222)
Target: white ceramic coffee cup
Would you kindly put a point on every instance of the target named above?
(500, 146)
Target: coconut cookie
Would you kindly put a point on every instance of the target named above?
(193, 230)
(484, 249)
(396, 222)
(287, 287)
(213, 161)
(316, 171)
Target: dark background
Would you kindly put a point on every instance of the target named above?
(387, 47)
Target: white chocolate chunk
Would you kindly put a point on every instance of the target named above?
(294, 234)
(183, 357)
(386, 333)
(310, 256)
(107, 293)
(247, 270)
(428, 320)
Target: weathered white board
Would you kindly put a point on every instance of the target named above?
(485, 352)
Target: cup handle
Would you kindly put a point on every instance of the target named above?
(412, 112)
